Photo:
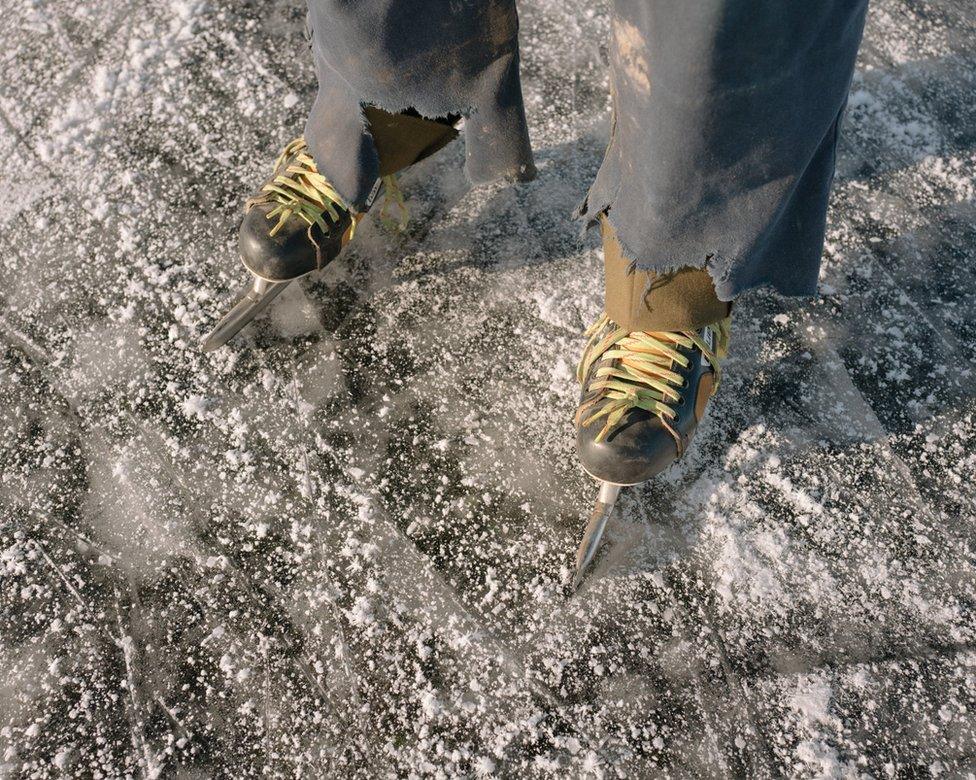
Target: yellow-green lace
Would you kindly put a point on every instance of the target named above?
(298, 189)
(393, 197)
(638, 371)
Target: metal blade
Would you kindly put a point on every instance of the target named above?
(256, 300)
(594, 529)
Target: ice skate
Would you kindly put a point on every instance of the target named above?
(643, 395)
(297, 223)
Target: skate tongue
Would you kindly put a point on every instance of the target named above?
(594, 530)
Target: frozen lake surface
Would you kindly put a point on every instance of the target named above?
(341, 545)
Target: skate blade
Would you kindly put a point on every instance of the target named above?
(256, 300)
(594, 529)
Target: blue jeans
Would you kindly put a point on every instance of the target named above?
(726, 115)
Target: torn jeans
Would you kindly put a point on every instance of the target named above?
(725, 118)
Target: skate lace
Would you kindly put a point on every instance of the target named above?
(298, 189)
(638, 371)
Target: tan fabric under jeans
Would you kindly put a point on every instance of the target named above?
(645, 300)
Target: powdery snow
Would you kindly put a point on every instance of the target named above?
(340, 546)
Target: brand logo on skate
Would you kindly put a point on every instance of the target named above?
(373, 193)
(708, 336)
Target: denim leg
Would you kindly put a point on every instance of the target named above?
(725, 125)
(438, 57)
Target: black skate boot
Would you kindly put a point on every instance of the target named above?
(298, 223)
(643, 395)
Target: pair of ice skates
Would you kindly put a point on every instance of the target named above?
(643, 393)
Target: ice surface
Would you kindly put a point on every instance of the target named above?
(340, 546)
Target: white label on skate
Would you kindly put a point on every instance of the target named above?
(708, 336)
(373, 193)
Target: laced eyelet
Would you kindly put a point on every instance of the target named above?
(298, 190)
(638, 380)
